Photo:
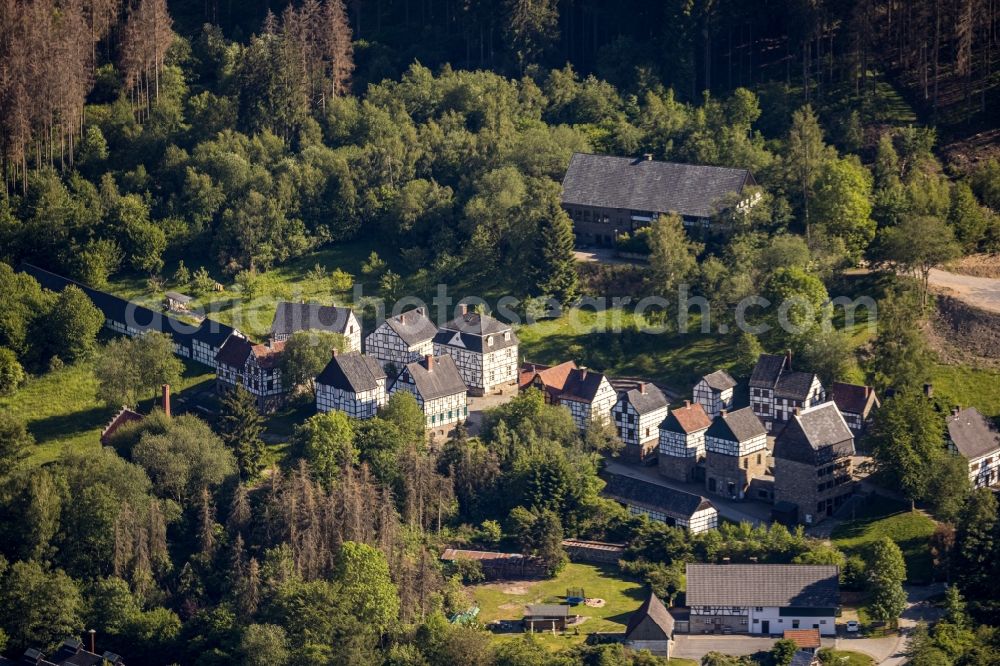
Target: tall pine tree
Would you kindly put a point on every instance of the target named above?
(240, 426)
(558, 268)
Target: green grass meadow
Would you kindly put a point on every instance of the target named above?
(880, 518)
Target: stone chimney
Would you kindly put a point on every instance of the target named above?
(333, 353)
(929, 390)
(723, 412)
(429, 361)
(166, 400)
(798, 411)
(788, 359)
(642, 388)
(420, 310)
(583, 373)
(463, 309)
(687, 403)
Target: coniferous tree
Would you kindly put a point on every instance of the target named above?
(240, 427)
(559, 277)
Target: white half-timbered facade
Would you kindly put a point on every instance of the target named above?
(353, 384)
(714, 392)
(637, 416)
(438, 387)
(291, 318)
(256, 368)
(401, 339)
(776, 390)
(484, 349)
(589, 397)
(973, 437)
(662, 503)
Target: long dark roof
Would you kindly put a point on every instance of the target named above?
(972, 434)
(646, 185)
(413, 327)
(674, 503)
(352, 372)
(645, 402)
(738, 426)
(720, 380)
(443, 380)
(769, 585)
(472, 331)
(774, 371)
(654, 609)
(234, 352)
(582, 385)
(294, 317)
(853, 398)
(814, 436)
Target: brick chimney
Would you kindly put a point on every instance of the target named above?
(429, 361)
(798, 411)
(642, 388)
(723, 412)
(463, 309)
(583, 373)
(788, 359)
(166, 400)
(687, 403)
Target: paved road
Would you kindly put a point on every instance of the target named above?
(891, 651)
(978, 291)
(695, 646)
(749, 511)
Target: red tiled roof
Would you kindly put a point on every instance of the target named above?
(806, 639)
(692, 418)
(553, 377)
(126, 415)
(268, 355)
(853, 398)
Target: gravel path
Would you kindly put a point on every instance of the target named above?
(978, 291)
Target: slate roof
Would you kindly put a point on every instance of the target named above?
(767, 370)
(720, 380)
(413, 327)
(645, 402)
(853, 398)
(973, 435)
(581, 385)
(472, 331)
(768, 585)
(774, 371)
(294, 317)
(546, 610)
(443, 380)
(687, 419)
(815, 435)
(646, 185)
(654, 609)
(649, 495)
(738, 426)
(234, 352)
(352, 372)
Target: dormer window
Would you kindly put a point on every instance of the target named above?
(506, 335)
(489, 341)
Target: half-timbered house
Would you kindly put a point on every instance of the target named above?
(855, 402)
(637, 416)
(290, 318)
(351, 383)
(257, 368)
(682, 441)
(550, 380)
(735, 453)
(484, 349)
(974, 437)
(812, 463)
(776, 390)
(762, 598)
(439, 389)
(674, 507)
(401, 339)
(714, 392)
(589, 397)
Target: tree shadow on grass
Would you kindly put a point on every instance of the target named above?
(67, 425)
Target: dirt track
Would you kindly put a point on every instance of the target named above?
(977, 291)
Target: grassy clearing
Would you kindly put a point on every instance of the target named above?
(848, 658)
(62, 411)
(622, 596)
(884, 518)
(968, 387)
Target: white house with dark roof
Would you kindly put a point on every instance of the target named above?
(812, 463)
(484, 349)
(257, 368)
(762, 599)
(855, 402)
(439, 389)
(290, 318)
(676, 508)
(682, 441)
(714, 392)
(735, 453)
(637, 416)
(589, 397)
(776, 390)
(974, 437)
(607, 195)
(353, 384)
(651, 627)
(402, 339)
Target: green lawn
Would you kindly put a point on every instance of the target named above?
(848, 658)
(622, 596)
(968, 387)
(62, 412)
(885, 518)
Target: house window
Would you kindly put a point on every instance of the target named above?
(489, 341)
(795, 624)
(506, 335)
(758, 458)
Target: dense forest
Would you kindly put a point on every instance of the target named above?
(184, 143)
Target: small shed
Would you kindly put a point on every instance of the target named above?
(546, 617)
(651, 627)
(178, 302)
(804, 639)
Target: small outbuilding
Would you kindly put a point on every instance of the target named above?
(650, 628)
(177, 302)
(546, 617)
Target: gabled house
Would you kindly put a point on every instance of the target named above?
(714, 392)
(291, 318)
(69, 653)
(589, 397)
(607, 195)
(637, 416)
(776, 390)
(484, 349)
(735, 453)
(439, 389)
(762, 598)
(855, 403)
(676, 508)
(971, 435)
(682, 441)
(351, 383)
(257, 368)
(550, 380)
(651, 627)
(402, 339)
(812, 463)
